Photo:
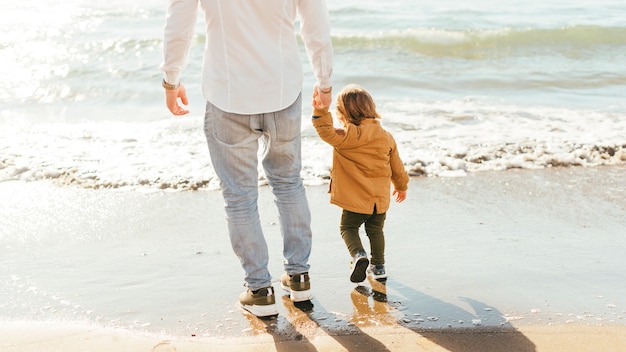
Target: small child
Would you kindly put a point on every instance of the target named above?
(365, 163)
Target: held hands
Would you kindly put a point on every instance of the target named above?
(400, 195)
(171, 99)
(321, 100)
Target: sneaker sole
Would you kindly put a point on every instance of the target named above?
(297, 296)
(359, 272)
(261, 311)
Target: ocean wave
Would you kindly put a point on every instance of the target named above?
(488, 43)
(172, 154)
(86, 173)
(524, 155)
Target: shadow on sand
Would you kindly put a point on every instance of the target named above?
(306, 321)
(454, 328)
(444, 324)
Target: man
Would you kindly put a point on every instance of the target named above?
(252, 81)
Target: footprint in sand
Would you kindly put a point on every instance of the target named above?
(164, 346)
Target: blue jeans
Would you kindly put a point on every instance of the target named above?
(233, 141)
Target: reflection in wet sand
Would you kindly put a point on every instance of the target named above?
(307, 323)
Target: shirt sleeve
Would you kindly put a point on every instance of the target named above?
(178, 34)
(315, 32)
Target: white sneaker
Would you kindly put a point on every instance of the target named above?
(377, 271)
(359, 267)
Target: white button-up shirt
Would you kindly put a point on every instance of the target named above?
(251, 59)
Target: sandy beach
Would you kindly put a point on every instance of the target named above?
(509, 116)
(521, 260)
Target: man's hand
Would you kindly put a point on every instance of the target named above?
(171, 99)
(321, 100)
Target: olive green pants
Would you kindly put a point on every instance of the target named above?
(349, 227)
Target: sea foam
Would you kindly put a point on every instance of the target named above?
(440, 139)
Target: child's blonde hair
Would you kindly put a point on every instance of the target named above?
(354, 104)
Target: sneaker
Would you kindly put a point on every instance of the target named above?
(377, 271)
(298, 286)
(261, 303)
(359, 266)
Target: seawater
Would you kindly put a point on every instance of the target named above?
(463, 87)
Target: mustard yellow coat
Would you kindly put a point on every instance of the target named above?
(365, 163)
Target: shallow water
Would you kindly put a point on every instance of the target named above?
(488, 250)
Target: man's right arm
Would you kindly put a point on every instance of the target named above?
(178, 34)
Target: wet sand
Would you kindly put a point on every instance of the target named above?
(522, 260)
(34, 337)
